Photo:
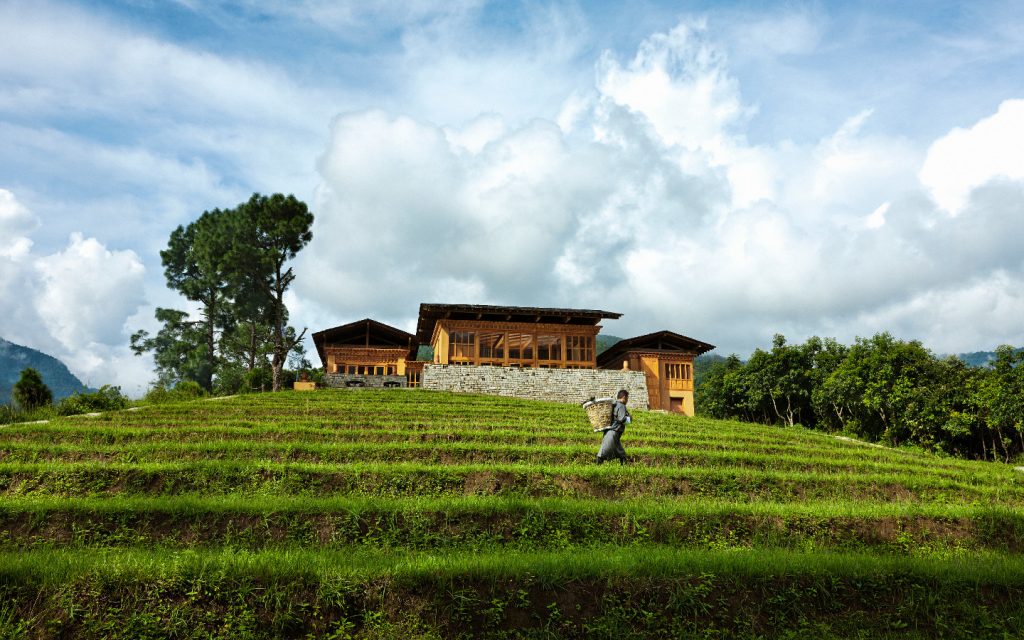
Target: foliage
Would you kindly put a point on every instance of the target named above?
(106, 398)
(182, 391)
(232, 263)
(30, 392)
(880, 389)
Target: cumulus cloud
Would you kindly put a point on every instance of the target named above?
(967, 158)
(646, 198)
(72, 304)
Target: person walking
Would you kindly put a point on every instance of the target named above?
(611, 443)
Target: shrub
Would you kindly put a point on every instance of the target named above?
(30, 392)
(107, 398)
(184, 390)
(259, 379)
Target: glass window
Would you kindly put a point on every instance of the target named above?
(579, 348)
(462, 345)
(492, 346)
(549, 348)
(520, 347)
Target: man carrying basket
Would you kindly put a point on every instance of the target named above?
(611, 443)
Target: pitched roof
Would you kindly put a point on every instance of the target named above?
(659, 341)
(364, 333)
(430, 313)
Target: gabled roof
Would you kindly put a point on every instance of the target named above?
(430, 313)
(364, 333)
(659, 341)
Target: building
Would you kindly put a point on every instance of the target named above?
(489, 349)
(469, 334)
(666, 359)
(368, 351)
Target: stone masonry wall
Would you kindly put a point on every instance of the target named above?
(559, 385)
(346, 380)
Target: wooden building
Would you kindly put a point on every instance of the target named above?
(666, 358)
(466, 334)
(368, 348)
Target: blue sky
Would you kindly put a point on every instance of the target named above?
(724, 170)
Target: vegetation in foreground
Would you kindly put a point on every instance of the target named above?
(408, 513)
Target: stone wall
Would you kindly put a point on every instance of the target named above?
(559, 385)
(348, 380)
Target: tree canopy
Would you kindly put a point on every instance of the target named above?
(880, 389)
(233, 264)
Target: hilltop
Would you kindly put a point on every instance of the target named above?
(410, 513)
(14, 358)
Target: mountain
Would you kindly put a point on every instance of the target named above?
(979, 358)
(605, 341)
(14, 358)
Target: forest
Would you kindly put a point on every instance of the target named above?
(880, 389)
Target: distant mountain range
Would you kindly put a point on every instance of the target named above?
(14, 358)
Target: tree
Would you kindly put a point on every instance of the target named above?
(196, 265)
(271, 230)
(233, 263)
(30, 392)
(179, 349)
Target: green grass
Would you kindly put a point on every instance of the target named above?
(411, 513)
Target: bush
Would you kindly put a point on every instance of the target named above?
(183, 391)
(108, 398)
(259, 379)
(30, 392)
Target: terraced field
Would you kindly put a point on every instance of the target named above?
(407, 513)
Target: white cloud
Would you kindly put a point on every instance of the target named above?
(16, 223)
(87, 292)
(965, 159)
(72, 304)
(647, 199)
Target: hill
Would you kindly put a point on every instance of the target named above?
(14, 358)
(979, 358)
(410, 513)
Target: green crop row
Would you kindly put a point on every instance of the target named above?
(609, 593)
(480, 522)
(402, 479)
(468, 452)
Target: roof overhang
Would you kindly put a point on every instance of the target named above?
(431, 313)
(667, 342)
(364, 333)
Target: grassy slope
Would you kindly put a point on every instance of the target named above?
(412, 513)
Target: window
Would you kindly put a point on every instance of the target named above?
(579, 348)
(520, 348)
(462, 345)
(678, 371)
(492, 347)
(549, 348)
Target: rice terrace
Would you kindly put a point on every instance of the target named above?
(415, 513)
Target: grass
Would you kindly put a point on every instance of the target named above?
(410, 513)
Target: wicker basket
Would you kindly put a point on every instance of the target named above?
(599, 411)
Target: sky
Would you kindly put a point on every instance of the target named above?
(724, 170)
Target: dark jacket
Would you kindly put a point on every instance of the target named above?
(619, 415)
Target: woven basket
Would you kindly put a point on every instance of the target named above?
(599, 411)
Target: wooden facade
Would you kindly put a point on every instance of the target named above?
(486, 335)
(666, 358)
(366, 347)
(511, 336)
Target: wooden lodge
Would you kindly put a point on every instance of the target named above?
(468, 334)
(666, 358)
(501, 336)
(368, 348)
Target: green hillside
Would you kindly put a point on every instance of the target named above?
(14, 358)
(408, 513)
